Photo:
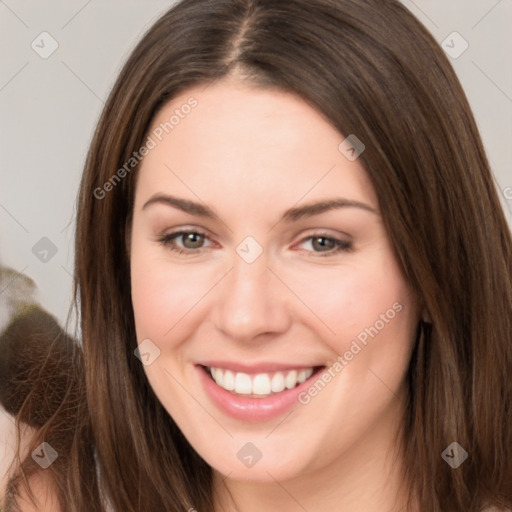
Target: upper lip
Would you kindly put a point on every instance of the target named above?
(261, 367)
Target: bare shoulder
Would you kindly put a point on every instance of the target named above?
(39, 483)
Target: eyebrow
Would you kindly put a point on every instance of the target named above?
(290, 215)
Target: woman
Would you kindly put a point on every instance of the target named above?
(260, 369)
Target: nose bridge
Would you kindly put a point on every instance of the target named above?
(248, 305)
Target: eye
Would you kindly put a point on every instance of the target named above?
(327, 245)
(193, 243)
(192, 240)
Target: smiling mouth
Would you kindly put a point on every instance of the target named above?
(260, 385)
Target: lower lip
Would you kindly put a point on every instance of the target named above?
(251, 409)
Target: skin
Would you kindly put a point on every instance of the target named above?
(250, 154)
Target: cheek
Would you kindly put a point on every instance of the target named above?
(351, 301)
(151, 291)
(159, 297)
(375, 325)
(164, 292)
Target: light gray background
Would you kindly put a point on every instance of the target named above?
(49, 108)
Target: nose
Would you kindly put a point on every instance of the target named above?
(252, 301)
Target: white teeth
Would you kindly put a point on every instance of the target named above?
(217, 375)
(229, 380)
(277, 382)
(243, 384)
(303, 375)
(291, 379)
(261, 384)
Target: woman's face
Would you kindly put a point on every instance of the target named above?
(264, 292)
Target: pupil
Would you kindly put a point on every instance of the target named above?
(323, 244)
(191, 237)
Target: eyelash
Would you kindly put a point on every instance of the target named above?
(168, 242)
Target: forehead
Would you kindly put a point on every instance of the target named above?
(249, 145)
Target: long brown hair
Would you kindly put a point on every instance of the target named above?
(373, 70)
